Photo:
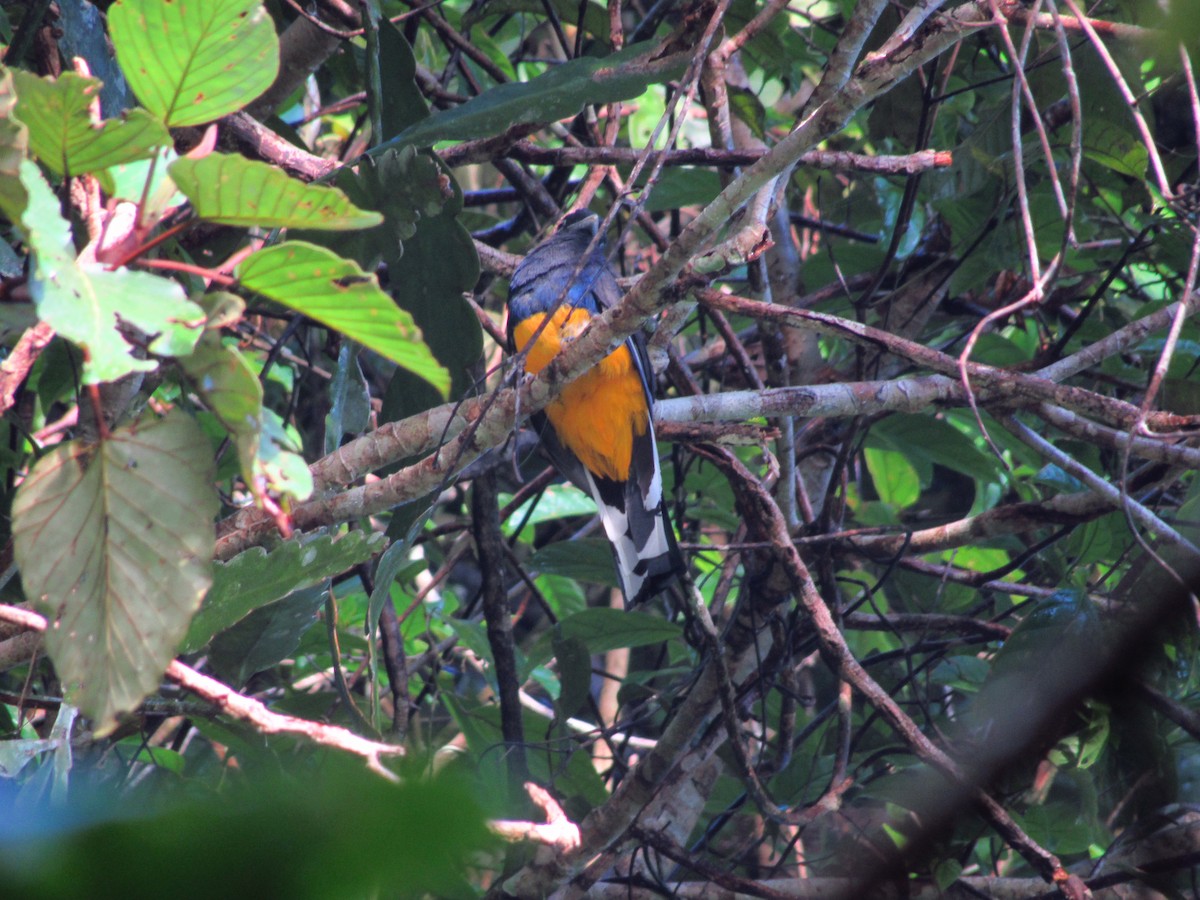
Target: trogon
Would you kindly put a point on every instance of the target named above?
(599, 432)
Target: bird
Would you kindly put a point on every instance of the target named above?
(599, 432)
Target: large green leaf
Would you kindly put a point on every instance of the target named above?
(926, 437)
(403, 104)
(115, 544)
(62, 134)
(233, 190)
(559, 93)
(257, 578)
(14, 144)
(85, 302)
(191, 62)
(337, 293)
(267, 636)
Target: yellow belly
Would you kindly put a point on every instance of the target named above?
(598, 415)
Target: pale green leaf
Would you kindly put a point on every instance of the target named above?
(14, 145)
(233, 190)
(62, 134)
(193, 62)
(115, 543)
(85, 302)
(337, 293)
(128, 181)
(895, 479)
(279, 467)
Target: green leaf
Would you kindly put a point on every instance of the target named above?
(946, 872)
(85, 302)
(895, 479)
(233, 190)
(587, 560)
(561, 92)
(403, 103)
(115, 544)
(128, 182)
(558, 501)
(392, 562)
(744, 104)
(279, 464)
(257, 578)
(934, 439)
(14, 145)
(430, 256)
(439, 264)
(62, 134)
(406, 187)
(330, 829)
(191, 63)
(223, 378)
(337, 293)
(602, 629)
(574, 672)
(266, 636)
(349, 399)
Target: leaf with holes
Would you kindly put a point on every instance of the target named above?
(115, 545)
(337, 293)
(64, 137)
(191, 63)
(86, 303)
(233, 190)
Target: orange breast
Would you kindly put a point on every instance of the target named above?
(596, 416)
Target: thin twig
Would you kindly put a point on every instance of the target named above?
(249, 710)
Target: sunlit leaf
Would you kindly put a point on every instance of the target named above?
(279, 465)
(895, 479)
(62, 134)
(233, 190)
(115, 545)
(85, 302)
(191, 63)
